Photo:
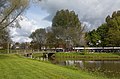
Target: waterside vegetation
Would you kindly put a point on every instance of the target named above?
(89, 56)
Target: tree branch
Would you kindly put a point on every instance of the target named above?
(12, 20)
(8, 14)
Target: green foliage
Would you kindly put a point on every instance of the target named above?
(37, 55)
(93, 38)
(51, 40)
(67, 27)
(88, 56)
(65, 18)
(66, 31)
(113, 34)
(108, 33)
(102, 32)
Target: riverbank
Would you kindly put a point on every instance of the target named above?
(16, 67)
(88, 56)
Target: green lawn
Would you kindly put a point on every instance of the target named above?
(16, 67)
(89, 56)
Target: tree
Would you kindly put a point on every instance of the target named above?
(93, 37)
(39, 37)
(67, 27)
(4, 38)
(113, 37)
(65, 19)
(102, 32)
(10, 10)
(51, 40)
(2, 2)
(113, 34)
(108, 33)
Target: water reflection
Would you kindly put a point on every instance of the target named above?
(43, 59)
(109, 68)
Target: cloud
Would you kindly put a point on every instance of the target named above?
(92, 12)
(27, 27)
(33, 19)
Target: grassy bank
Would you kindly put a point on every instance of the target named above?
(15, 67)
(89, 56)
(37, 55)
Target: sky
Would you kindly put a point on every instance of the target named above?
(92, 13)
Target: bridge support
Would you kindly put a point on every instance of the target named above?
(48, 55)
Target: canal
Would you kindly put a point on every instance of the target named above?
(111, 69)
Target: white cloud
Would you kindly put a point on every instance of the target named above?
(27, 27)
(39, 18)
(91, 11)
(21, 39)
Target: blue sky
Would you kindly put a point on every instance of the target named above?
(92, 13)
(33, 18)
(36, 13)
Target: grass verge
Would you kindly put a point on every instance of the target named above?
(89, 56)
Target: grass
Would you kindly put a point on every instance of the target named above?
(3, 51)
(36, 55)
(89, 56)
(15, 67)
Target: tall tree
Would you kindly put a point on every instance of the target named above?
(67, 26)
(65, 19)
(109, 32)
(113, 35)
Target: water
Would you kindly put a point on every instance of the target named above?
(111, 69)
(108, 68)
